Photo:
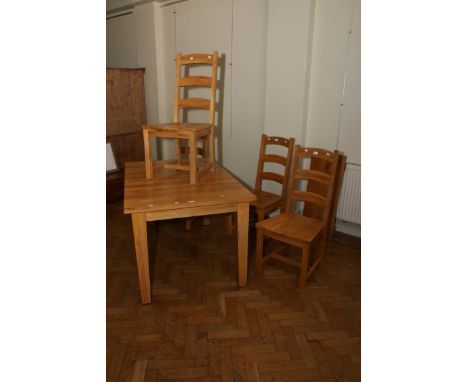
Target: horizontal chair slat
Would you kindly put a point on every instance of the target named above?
(277, 141)
(314, 153)
(272, 176)
(199, 103)
(277, 256)
(195, 81)
(274, 158)
(308, 197)
(186, 149)
(175, 166)
(318, 176)
(196, 59)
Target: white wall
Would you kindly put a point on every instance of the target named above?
(131, 43)
(289, 60)
(146, 52)
(287, 48)
(349, 135)
(205, 26)
(165, 63)
(121, 42)
(165, 59)
(329, 124)
(114, 4)
(286, 69)
(242, 142)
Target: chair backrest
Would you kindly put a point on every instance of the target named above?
(313, 211)
(188, 81)
(322, 177)
(285, 161)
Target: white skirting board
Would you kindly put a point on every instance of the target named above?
(348, 228)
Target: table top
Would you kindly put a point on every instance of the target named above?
(169, 189)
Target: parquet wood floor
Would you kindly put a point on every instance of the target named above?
(202, 327)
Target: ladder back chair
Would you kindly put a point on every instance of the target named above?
(310, 209)
(266, 201)
(191, 132)
(299, 230)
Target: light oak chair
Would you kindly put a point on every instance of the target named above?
(266, 201)
(191, 132)
(298, 230)
(310, 209)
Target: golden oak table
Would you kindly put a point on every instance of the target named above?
(170, 195)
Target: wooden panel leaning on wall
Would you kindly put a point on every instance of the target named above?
(125, 113)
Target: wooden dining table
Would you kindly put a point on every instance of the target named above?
(169, 195)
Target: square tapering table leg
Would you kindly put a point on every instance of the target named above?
(141, 250)
(242, 241)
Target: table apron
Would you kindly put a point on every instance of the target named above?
(192, 211)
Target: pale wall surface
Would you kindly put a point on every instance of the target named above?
(131, 43)
(289, 60)
(205, 26)
(121, 42)
(165, 63)
(287, 48)
(335, 52)
(146, 53)
(349, 137)
(248, 88)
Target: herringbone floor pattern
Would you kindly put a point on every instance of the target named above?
(201, 327)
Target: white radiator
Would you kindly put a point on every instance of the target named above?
(349, 206)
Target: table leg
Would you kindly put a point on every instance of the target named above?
(242, 241)
(229, 224)
(141, 250)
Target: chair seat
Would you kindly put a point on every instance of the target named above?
(266, 200)
(179, 127)
(181, 130)
(291, 226)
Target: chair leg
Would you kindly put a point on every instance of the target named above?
(148, 155)
(188, 224)
(229, 224)
(158, 149)
(193, 160)
(178, 151)
(323, 247)
(304, 268)
(212, 148)
(261, 215)
(206, 147)
(259, 252)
